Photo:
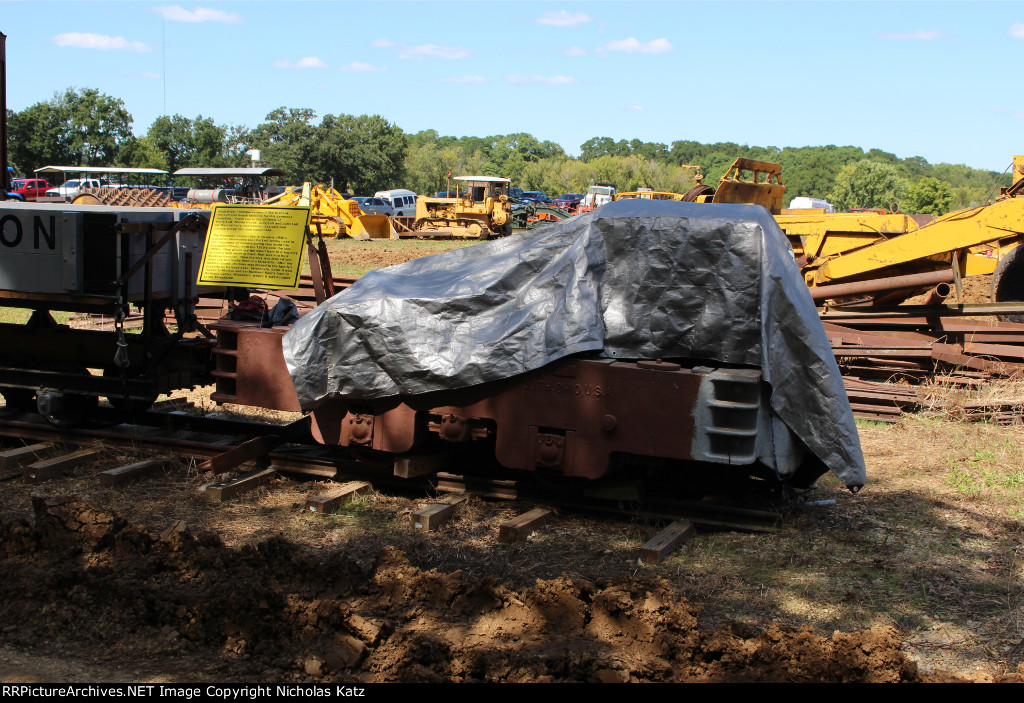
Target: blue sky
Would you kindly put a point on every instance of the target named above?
(934, 79)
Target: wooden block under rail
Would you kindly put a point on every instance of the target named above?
(329, 503)
(226, 490)
(433, 516)
(19, 456)
(134, 472)
(679, 532)
(520, 528)
(420, 465)
(52, 468)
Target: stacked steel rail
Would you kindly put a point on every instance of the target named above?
(957, 345)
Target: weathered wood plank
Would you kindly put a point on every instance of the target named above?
(51, 468)
(226, 490)
(409, 467)
(436, 514)
(133, 472)
(19, 456)
(662, 544)
(330, 502)
(520, 528)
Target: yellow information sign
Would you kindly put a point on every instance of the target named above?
(254, 245)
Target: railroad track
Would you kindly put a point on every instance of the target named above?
(229, 448)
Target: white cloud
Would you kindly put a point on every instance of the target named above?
(148, 74)
(563, 19)
(99, 41)
(916, 35)
(463, 79)
(422, 51)
(307, 62)
(175, 13)
(576, 51)
(432, 51)
(634, 108)
(1017, 31)
(633, 46)
(549, 80)
(361, 67)
(554, 80)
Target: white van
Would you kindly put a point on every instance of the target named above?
(804, 203)
(403, 201)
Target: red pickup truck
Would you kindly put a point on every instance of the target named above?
(29, 188)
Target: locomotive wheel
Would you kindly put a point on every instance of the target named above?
(1008, 282)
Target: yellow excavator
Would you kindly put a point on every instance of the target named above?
(877, 257)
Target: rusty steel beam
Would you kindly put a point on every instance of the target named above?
(879, 285)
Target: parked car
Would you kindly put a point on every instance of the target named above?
(515, 194)
(374, 206)
(29, 188)
(537, 197)
(72, 188)
(568, 200)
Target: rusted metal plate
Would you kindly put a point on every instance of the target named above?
(568, 417)
(250, 368)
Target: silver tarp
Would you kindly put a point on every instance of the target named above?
(634, 279)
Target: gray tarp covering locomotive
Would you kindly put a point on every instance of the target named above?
(712, 288)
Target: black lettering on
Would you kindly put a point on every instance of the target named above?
(50, 237)
(3, 231)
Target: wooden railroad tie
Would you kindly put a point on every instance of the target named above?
(19, 456)
(52, 468)
(436, 514)
(662, 544)
(330, 502)
(134, 472)
(521, 527)
(226, 490)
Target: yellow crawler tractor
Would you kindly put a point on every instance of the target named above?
(479, 210)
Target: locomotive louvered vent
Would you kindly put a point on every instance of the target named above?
(726, 417)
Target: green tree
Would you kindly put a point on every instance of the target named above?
(77, 127)
(930, 196)
(868, 184)
(286, 140)
(185, 142)
(365, 153)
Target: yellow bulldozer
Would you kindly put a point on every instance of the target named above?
(480, 209)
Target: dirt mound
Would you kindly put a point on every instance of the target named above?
(81, 574)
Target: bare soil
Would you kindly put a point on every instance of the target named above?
(919, 577)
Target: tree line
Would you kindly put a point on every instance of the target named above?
(365, 153)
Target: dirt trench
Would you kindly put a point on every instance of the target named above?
(80, 582)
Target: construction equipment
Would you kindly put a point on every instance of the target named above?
(762, 187)
(333, 214)
(479, 210)
(890, 256)
(535, 215)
